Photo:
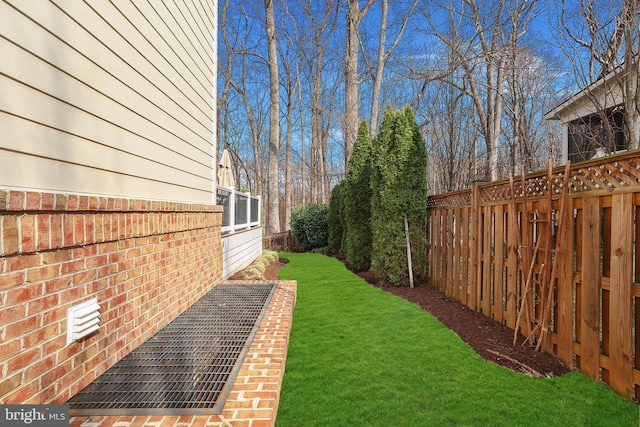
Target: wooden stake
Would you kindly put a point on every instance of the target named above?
(406, 233)
(523, 301)
(527, 259)
(545, 278)
(546, 309)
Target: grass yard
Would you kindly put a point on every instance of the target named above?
(359, 356)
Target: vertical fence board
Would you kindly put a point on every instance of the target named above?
(578, 284)
(636, 337)
(444, 245)
(498, 260)
(512, 267)
(539, 236)
(437, 249)
(604, 330)
(636, 305)
(475, 258)
(590, 288)
(430, 246)
(487, 267)
(476, 241)
(606, 241)
(578, 324)
(455, 289)
(449, 238)
(527, 243)
(620, 295)
(564, 252)
(606, 273)
(466, 229)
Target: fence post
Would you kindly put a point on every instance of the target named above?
(248, 209)
(259, 197)
(232, 209)
(476, 241)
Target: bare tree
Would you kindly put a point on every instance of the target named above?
(236, 43)
(224, 93)
(289, 59)
(382, 58)
(451, 135)
(477, 35)
(531, 90)
(273, 216)
(322, 17)
(303, 187)
(351, 83)
(601, 42)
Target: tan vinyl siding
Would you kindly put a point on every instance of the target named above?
(108, 98)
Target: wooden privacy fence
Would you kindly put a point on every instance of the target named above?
(284, 241)
(479, 238)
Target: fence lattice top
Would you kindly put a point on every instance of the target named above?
(608, 174)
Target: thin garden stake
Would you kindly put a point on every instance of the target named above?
(406, 233)
(523, 301)
(546, 312)
(545, 278)
(523, 305)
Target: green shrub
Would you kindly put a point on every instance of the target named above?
(399, 187)
(272, 256)
(335, 219)
(254, 273)
(357, 202)
(309, 225)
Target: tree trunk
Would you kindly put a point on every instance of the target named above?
(303, 184)
(351, 99)
(377, 80)
(273, 214)
(287, 161)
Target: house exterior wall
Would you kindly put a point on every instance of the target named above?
(107, 162)
(109, 98)
(240, 249)
(145, 261)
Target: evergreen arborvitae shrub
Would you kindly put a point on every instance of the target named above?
(357, 202)
(335, 219)
(417, 208)
(399, 187)
(309, 225)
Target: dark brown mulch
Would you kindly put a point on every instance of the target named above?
(490, 339)
(270, 272)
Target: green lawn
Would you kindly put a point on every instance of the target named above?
(359, 356)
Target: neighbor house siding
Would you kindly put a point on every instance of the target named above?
(108, 98)
(604, 94)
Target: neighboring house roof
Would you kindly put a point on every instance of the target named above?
(604, 89)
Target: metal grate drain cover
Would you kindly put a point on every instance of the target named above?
(189, 366)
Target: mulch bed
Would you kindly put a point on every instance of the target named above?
(491, 340)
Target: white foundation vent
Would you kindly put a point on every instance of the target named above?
(82, 320)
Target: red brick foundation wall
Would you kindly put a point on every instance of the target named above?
(145, 261)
